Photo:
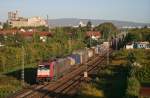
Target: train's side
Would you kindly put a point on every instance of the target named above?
(53, 70)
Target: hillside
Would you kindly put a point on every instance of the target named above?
(75, 22)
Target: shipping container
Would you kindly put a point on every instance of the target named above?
(76, 57)
(71, 60)
(96, 50)
(90, 53)
(106, 44)
(83, 55)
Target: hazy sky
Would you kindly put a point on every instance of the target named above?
(127, 10)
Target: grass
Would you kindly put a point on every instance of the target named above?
(90, 91)
(8, 85)
(10, 80)
(109, 83)
(15, 68)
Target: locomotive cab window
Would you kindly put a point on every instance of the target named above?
(44, 67)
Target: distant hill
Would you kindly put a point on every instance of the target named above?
(75, 22)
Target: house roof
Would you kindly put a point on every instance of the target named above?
(145, 91)
(93, 33)
(25, 34)
(32, 33)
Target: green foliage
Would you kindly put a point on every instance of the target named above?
(133, 87)
(89, 90)
(36, 38)
(59, 45)
(132, 37)
(143, 74)
(131, 57)
(90, 42)
(6, 26)
(81, 35)
(139, 35)
(107, 29)
(38, 28)
(9, 57)
(15, 40)
(8, 85)
(89, 26)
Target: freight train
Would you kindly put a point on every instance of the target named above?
(54, 69)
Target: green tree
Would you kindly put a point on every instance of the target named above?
(90, 42)
(36, 38)
(108, 30)
(89, 26)
(6, 26)
(131, 58)
(143, 74)
(133, 37)
(133, 87)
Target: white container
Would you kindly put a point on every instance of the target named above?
(90, 53)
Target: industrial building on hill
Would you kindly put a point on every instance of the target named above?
(16, 21)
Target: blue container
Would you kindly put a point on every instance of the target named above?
(76, 57)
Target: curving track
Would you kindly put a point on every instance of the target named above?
(64, 86)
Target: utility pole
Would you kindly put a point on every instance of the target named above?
(90, 40)
(116, 43)
(108, 46)
(108, 53)
(47, 22)
(22, 73)
(70, 44)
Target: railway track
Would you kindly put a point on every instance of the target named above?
(59, 84)
(64, 85)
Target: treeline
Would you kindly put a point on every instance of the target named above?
(138, 72)
(142, 34)
(34, 50)
(64, 40)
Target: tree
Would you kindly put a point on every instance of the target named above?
(143, 74)
(6, 26)
(133, 87)
(3, 61)
(108, 30)
(90, 42)
(2, 39)
(36, 38)
(131, 58)
(147, 38)
(133, 37)
(89, 26)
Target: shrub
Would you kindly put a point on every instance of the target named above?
(133, 87)
(91, 90)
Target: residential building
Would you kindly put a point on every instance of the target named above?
(1, 45)
(1, 25)
(141, 45)
(130, 46)
(27, 34)
(93, 35)
(138, 45)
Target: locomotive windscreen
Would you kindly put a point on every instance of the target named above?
(43, 67)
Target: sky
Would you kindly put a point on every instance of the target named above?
(126, 10)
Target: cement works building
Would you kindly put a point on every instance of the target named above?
(15, 21)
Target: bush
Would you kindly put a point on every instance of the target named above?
(8, 85)
(133, 87)
(143, 74)
(88, 90)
